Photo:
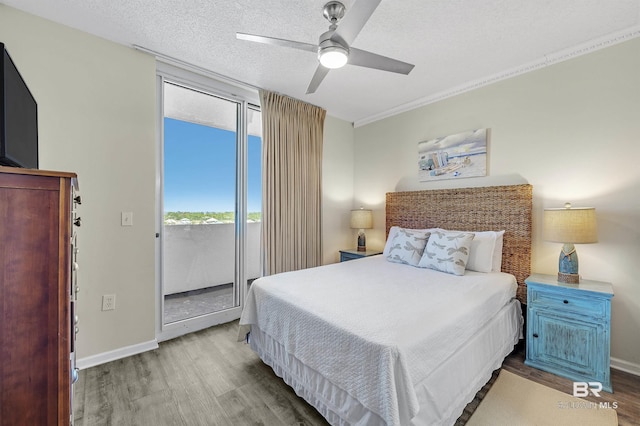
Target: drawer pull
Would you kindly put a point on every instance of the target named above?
(535, 335)
(565, 302)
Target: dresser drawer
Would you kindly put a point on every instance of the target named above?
(564, 302)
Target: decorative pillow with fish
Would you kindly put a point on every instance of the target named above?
(447, 252)
(407, 246)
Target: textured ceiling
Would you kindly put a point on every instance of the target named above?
(455, 44)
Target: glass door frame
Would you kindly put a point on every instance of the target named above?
(245, 98)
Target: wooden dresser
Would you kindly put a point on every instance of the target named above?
(37, 326)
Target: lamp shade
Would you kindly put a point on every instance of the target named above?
(570, 225)
(361, 219)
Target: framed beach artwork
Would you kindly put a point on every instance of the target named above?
(456, 156)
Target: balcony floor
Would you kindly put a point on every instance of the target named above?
(193, 303)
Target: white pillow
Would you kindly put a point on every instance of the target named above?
(407, 246)
(497, 252)
(485, 253)
(447, 251)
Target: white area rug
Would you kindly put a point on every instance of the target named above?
(516, 401)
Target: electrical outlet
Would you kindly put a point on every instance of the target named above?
(108, 302)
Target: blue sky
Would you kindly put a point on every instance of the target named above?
(200, 168)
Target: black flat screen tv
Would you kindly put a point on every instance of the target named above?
(18, 117)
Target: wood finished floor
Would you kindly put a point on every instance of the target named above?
(207, 378)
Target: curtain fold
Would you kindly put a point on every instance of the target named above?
(292, 133)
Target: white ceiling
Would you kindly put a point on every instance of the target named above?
(455, 45)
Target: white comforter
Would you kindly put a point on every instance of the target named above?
(373, 328)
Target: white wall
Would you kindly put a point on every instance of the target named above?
(571, 130)
(337, 188)
(96, 117)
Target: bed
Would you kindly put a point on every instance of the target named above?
(375, 341)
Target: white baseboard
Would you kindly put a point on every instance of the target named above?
(626, 366)
(93, 360)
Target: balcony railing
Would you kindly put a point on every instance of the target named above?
(203, 255)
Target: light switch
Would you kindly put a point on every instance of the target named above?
(127, 219)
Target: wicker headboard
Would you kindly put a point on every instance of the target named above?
(492, 208)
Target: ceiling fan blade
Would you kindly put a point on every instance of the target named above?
(354, 20)
(362, 58)
(320, 74)
(278, 42)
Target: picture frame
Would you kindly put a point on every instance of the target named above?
(461, 155)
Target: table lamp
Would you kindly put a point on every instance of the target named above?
(361, 219)
(570, 226)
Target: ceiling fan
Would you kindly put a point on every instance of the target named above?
(334, 46)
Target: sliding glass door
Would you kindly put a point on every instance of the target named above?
(211, 206)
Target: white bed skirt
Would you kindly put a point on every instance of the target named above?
(443, 395)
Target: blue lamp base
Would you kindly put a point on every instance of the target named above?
(568, 265)
(362, 241)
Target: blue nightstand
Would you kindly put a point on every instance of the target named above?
(355, 254)
(569, 328)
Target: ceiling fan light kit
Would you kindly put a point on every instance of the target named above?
(333, 57)
(333, 49)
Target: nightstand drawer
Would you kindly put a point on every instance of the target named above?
(568, 303)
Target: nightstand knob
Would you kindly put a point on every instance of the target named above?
(535, 334)
(565, 302)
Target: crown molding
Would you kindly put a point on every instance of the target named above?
(545, 61)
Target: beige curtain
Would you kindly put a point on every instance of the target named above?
(292, 158)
